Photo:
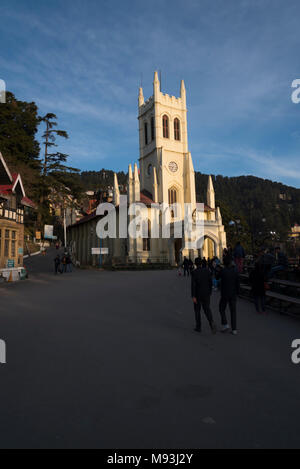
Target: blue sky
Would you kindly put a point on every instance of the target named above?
(83, 61)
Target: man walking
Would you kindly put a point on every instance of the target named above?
(201, 293)
(230, 284)
(186, 268)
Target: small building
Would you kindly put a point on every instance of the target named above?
(13, 201)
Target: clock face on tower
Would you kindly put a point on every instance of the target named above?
(173, 166)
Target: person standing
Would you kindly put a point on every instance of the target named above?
(201, 293)
(281, 262)
(258, 283)
(239, 256)
(69, 263)
(64, 264)
(185, 266)
(229, 285)
(57, 264)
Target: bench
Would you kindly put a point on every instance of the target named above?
(285, 302)
(286, 283)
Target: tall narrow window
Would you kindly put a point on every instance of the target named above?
(6, 244)
(165, 126)
(177, 129)
(152, 129)
(146, 133)
(172, 196)
(147, 232)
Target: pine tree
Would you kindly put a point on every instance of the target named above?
(57, 179)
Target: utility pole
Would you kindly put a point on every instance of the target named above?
(65, 225)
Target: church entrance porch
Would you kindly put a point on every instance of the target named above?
(210, 248)
(178, 250)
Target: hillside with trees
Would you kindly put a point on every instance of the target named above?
(258, 207)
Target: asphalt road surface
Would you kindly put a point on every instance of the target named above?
(110, 360)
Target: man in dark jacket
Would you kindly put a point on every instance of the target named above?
(57, 264)
(201, 293)
(185, 266)
(230, 285)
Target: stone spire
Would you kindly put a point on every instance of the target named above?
(129, 185)
(219, 216)
(183, 91)
(116, 190)
(211, 194)
(156, 85)
(136, 184)
(141, 97)
(155, 187)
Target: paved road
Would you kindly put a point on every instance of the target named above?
(110, 359)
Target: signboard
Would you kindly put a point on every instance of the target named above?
(38, 235)
(98, 251)
(20, 251)
(48, 232)
(10, 263)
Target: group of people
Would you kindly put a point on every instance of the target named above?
(237, 255)
(272, 261)
(210, 274)
(202, 286)
(63, 264)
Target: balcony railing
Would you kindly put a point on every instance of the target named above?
(16, 215)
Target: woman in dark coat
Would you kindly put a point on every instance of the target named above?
(257, 282)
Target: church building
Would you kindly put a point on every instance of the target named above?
(165, 175)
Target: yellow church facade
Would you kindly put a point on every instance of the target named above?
(165, 175)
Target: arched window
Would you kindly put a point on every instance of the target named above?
(165, 126)
(172, 196)
(147, 232)
(152, 129)
(177, 129)
(146, 133)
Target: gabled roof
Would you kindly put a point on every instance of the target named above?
(17, 180)
(5, 175)
(146, 198)
(10, 182)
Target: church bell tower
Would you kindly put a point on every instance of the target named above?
(166, 167)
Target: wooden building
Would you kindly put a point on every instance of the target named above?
(13, 201)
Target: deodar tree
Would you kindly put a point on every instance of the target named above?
(58, 184)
